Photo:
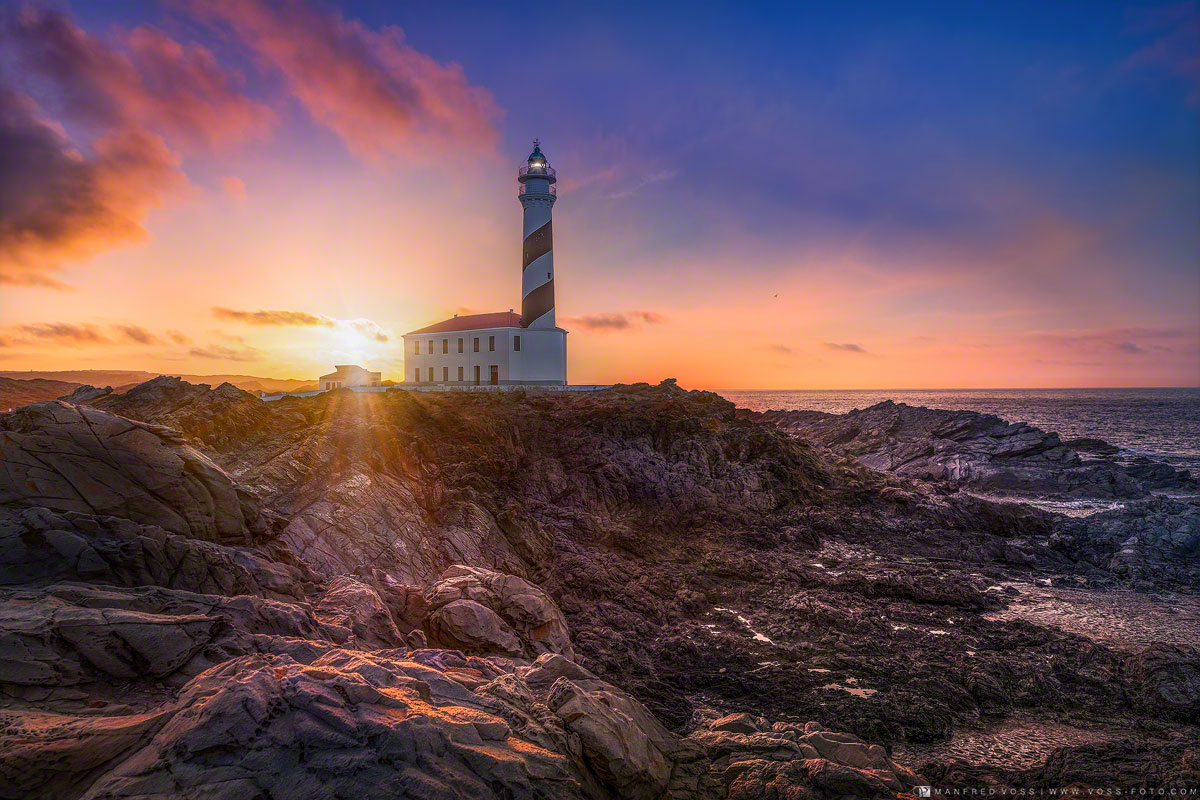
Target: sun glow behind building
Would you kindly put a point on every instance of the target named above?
(798, 197)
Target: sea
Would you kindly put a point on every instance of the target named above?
(1161, 424)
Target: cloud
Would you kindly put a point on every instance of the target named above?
(615, 320)
(137, 334)
(846, 348)
(273, 317)
(649, 317)
(221, 353)
(363, 326)
(780, 348)
(138, 79)
(235, 188)
(1118, 341)
(1176, 50)
(379, 94)
(64, 200)
(177, 337)
(63, 332)
(652, 178)
(367, 328)
(600, 321)
(59, 205)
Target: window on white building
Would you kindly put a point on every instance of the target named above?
(445, 345)
(476, 344)
(460, 344)
(516, 344)
(491, 343)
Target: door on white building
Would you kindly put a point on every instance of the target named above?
(494, 375)
(476, 374)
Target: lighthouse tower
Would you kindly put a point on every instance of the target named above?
(503, 348)
(537, 196)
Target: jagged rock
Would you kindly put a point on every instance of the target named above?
(783, 760)
(347, 726)
(471, 627)
(621, 742)
(41, 546)
(697, 556)
(740, 723)
(86, 394)
(349, 603)
(70, 634)
(477, 609)
(218, 417)
(78, 459)
(966, 449)
(1155, 540)
(1169, 680)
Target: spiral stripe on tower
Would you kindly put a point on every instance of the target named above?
(537, 197)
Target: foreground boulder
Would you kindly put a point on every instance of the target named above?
(482, 611)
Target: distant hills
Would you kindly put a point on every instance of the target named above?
(19, 387)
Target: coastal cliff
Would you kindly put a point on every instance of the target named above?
(631, 593)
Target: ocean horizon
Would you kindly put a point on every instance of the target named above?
(1160, 423)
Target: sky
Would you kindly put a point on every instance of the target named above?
(751, 195)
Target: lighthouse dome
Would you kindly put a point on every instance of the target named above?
(537, 159)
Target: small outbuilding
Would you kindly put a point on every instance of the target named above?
(347, 375)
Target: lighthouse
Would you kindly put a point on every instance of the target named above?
(503, 348)
(537, 195)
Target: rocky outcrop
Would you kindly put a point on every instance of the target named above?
(39, 546)
(1147, 544)
(478, 610)
(76, 459)
(755, 759)
(981, 452)
(217, 416)
(517, 594)
(86, 394)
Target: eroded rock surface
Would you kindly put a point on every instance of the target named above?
(966, 449)
(634, 593)
(475, 609)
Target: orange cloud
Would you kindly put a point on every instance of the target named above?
(615, 320)
(849, 347)
(235, 188)
(137, 334)
(61, 202)
(379, 94)
(273, 317)
(142, 79)
(222, 353)
(58, 205)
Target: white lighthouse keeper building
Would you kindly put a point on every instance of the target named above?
(504, 348)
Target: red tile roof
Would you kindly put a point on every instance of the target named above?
(471, 322)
